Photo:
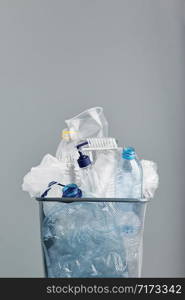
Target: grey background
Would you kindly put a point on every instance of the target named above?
(58, 58)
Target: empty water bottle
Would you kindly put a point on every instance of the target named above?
(129, 183)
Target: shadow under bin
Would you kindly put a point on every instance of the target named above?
(91, 237)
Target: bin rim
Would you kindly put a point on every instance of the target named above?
(69, 200)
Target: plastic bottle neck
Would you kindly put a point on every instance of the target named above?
(129, 153)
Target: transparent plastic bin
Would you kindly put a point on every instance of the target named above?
(85, 237)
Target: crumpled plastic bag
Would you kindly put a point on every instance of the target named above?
(36, 181)
(89, 123)
(150, 178)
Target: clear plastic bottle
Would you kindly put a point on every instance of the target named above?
(66, 148)
(129, 181)
(67, 154)
(89, 181)
(88, 176)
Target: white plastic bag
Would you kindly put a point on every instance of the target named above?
(36, 181)
(150, 178)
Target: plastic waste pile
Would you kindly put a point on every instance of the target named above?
(92, 239)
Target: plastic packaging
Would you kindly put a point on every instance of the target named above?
(90, 123)
(104, 153)
(106, 143)
(90, 183)
(150, 178)
(50, 169)
(87, 124)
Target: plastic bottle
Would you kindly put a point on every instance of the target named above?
(66, 153)
(88, 176)
(129, 181)
(66, 147)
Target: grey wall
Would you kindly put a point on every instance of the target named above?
(60, 57)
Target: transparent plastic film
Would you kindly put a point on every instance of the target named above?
(89, 123)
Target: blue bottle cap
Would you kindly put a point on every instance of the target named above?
(83, 160)
(129, 153)
(71, 191)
